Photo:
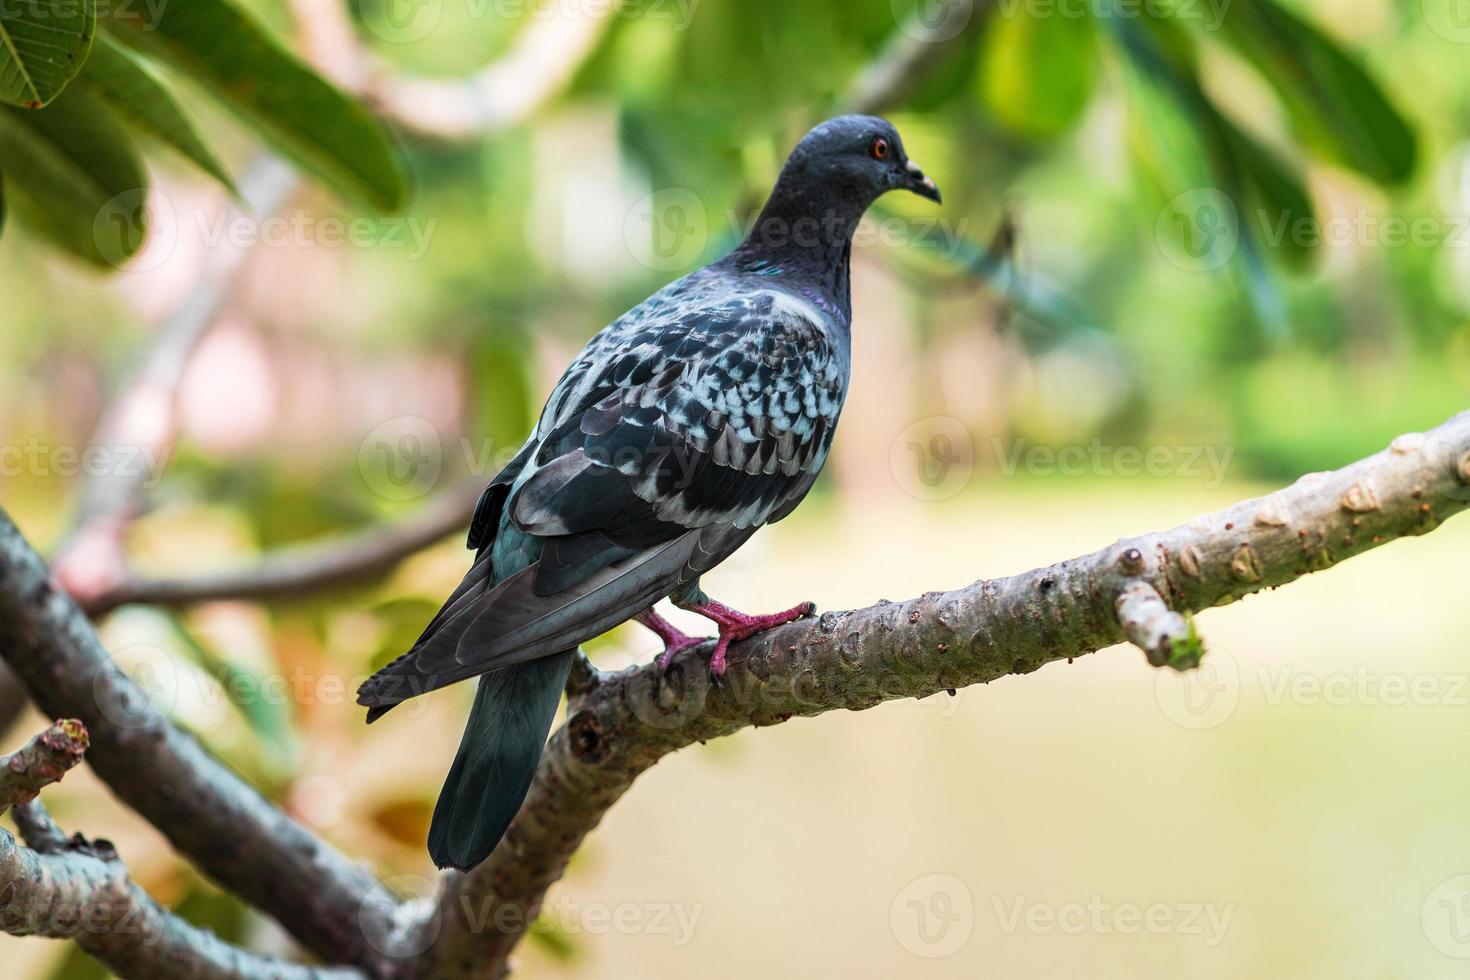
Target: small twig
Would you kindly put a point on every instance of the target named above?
(539, 65)
(37, 828)
(1164, 636)
(40, 762)
(305, 569)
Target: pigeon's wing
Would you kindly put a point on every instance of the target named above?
(662, 450)
(723, 425)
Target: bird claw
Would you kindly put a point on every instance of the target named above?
(677, 647)
(735, 626)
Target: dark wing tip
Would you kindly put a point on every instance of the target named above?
(379, 710)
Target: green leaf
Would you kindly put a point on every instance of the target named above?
(76, 177)
(1333, 102)
(1226, 194)
(1278, 209)
(328, 134)
(117, 77)
(43, 43)
(1036, 72)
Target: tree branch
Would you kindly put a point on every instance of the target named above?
(621, 724)
(73, 889)
(221, 823)
(541, 62)
(292, 572)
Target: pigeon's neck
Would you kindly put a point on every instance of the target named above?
(805, 237)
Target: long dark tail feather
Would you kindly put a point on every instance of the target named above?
(497, 758)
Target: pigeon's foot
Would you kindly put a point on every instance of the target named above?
(675, 640)
(735, 625)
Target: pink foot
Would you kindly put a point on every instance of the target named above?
(735, 625)
(675, 640)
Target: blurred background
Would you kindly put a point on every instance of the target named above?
(1188, 251)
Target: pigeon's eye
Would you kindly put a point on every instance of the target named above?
(880, 149)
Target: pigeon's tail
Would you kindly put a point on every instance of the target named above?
(497, 758)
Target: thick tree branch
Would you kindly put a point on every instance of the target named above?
(621, 724)
(293, 572)
(222, 824)
(40, 762)
(73, 889)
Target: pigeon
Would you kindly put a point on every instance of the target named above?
(681, 428)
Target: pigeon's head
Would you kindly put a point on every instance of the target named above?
(861, 156)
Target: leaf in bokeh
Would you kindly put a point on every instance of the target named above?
(1036, 72)
(1210, 172)
(43, 43)
(76, 177)
(554, 938)
(222, 48)
(1277, 207)
(271, 720)
(117, 77)
(1334, 103)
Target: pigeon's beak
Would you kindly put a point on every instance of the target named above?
(922, 185)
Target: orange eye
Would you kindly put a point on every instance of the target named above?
(880, 149)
